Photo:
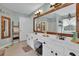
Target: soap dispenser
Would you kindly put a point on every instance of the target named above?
(75, 36)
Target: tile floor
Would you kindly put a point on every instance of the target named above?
(16, 50)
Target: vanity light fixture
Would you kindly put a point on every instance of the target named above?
(38, 12)
(55, 5)
(51, 5)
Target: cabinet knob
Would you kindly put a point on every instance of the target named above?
(44, 42)
(35, 33)
(36, 39)
(51, 51)
(56, 54)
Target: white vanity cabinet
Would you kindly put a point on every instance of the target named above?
(30, 40)
(52, 46)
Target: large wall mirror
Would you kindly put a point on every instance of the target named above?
(5, 27)
(60, 21)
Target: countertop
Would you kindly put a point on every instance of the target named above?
(54, 39)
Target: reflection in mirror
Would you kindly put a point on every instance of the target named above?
(69, 26)
(5, 27)
(41, 25)
(59, 21)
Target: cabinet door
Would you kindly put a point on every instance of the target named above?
(53, 50)
(58, 49)
(47, 51)
(28, 40)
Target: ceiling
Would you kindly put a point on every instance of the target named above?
(23, 8)
(28, 8)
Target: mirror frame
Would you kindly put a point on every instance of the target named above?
(3, 27)
(50, 11)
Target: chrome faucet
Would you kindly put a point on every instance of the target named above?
(61, 37)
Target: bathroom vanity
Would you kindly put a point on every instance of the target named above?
(53, 46)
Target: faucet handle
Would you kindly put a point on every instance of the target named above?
(61, 37)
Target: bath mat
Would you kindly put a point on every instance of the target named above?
(8, 46)
(2, 52)
(27, 48)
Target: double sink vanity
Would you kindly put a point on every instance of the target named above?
(52, 45)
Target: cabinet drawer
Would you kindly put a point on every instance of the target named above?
(47, 51)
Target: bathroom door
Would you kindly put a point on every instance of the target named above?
(22, 28)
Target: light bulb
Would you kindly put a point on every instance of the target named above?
(52, 3)
(40, 10)
(36, 12)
